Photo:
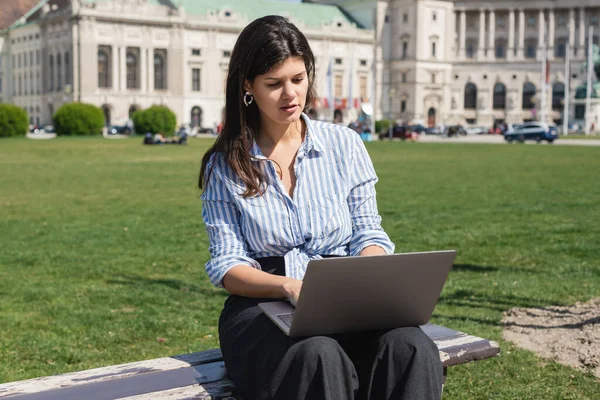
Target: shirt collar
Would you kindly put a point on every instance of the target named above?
(311, 141)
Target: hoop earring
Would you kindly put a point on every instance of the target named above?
(246, 101)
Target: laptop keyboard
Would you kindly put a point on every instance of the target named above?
(286, 318)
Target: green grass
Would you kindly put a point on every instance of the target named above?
(103, 251)
(593, 136)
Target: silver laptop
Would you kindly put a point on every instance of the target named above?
(352, 294)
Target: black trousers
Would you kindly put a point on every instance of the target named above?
(265, 364)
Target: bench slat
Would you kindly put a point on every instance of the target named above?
(198, 371)
(222, 390)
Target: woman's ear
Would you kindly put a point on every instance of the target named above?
(247, 86)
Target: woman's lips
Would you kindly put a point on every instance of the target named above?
(289, 109)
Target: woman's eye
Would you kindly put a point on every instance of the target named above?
(273, 84)
(298, 80)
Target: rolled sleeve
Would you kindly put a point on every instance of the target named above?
(362, 201)
(221, 217)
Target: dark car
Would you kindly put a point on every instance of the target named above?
(398, 132)
(532, 131)
(119, 130)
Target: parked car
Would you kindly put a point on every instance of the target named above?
(532, 131)
(48, 129)
(398, 132)
(454, 130)
(476, 130)
(119, 130)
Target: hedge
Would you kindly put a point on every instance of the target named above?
(156, 119)
(14, 121)
(383, 125)
(78, 119)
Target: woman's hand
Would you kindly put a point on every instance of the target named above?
(292, 288)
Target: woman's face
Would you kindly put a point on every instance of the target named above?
(280, 94)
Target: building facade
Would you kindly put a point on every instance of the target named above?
(123, 55)
(478, 62)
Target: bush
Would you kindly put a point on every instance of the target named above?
(383, 125)
(156, 119)
(13, 121)
(78, 119)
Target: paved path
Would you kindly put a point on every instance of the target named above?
(497, 139)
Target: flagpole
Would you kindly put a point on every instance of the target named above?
(544, 72)
(588, 95)
(567, 89)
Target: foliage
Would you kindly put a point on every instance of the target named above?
(78, 119)
(103, 251)
(156, 119)
(383, 125)
(13, 120)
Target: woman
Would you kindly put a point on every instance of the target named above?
(280, 190)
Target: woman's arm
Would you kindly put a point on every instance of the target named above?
(246, 281)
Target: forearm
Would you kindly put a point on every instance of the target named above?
(372, 251)
(243, 280)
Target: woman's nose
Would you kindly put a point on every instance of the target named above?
(289, 92)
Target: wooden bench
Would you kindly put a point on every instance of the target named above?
(199, 375)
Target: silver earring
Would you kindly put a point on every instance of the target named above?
(247, 101)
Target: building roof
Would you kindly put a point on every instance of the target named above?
(312, 15)
(12, 10)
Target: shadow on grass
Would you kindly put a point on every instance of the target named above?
(578, 325)
(175, 284)
(486, 268)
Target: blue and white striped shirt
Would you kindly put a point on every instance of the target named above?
(333, 210)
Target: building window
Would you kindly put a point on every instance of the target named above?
(403, 106)
(363, 63)
(528, 94)
(363, 87)
(196, 52)
(562, 20)
(558, 95)
(226, 53)
(338, 61)
(560, 50)
(499, 96)
(433, 49)
(531, 21)
(131, 60)
(31, 83)
(37, 57)
(405, 17)
(470, 96)
(594, 20)
(500, 50)
(67, 69)
(433, 78)
(159, 72)
(337, 86)
(434, 16)
(19, 60)
(19, 91)
(404, 49)
(51, 71)
(103, 69)
(530, 47)
(38, 82)
(500, 22)
(404, 77)
(195, 79)
(470, 50)
(25, 63)
(59, 72)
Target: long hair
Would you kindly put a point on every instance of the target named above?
(262, 45)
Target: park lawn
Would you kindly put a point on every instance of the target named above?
(594, 136)
(103, 249)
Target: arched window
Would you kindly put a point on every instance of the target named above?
(528, 94)
(59, 72)
(132, 70)
(106, 112)
(133, 108)
(159, 72)
(470, 96)
(103, 80)
(67, 69)
(499, 96)
(558, 95)
(51, 72)
(196, 117)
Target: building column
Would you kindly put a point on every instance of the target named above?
(462, 36)
(551, 34)
(143, 69)
(151, 70)
(114, 73)
(541, 32)
(481, 47)
(123, 68)
(581, 53)
(510, 52)
(492, 36)
(521, 47)
(572, 29)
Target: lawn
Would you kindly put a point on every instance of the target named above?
(103, 249)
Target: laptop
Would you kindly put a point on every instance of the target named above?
(353, 294)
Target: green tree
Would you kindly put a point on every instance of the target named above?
(156, 119)
(78, 119)
(14, 121)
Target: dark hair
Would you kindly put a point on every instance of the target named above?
(262, 45)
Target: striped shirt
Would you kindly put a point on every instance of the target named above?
(333, 210)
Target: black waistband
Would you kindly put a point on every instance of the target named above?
(276, 264)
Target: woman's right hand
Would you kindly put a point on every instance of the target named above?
(292, 288)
